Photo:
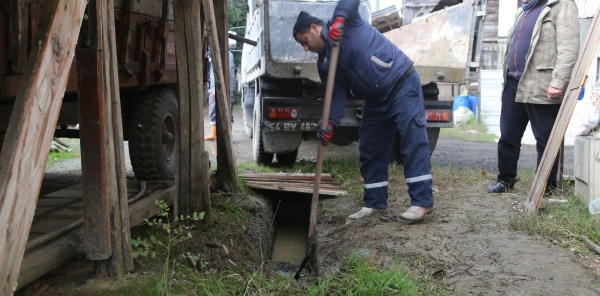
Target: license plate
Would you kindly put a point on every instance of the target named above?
(292, 126)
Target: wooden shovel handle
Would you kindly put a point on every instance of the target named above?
(324, 122)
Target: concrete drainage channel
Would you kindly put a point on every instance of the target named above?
(290, 225)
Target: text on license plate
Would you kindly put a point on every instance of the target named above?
(292, 126)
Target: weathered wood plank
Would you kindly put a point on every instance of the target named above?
(293, 184)
(51, 224)
(200, 184)
(206, 197)
(95, 154)
(70, 192)
(226, 174)
(121, 229)
(193, 177)
(146, 207)
(287, 176)
(182, 179)
(305, 189)
(34, 116)
(18, 27)
(4, 41)
(58, 202)
(40, 261)
(40, 212)
(536, 192)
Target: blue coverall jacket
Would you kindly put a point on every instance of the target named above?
(373, 68)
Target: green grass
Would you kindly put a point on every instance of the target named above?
(470, 131)
(358, 277)
(565, 222)
(56, 157)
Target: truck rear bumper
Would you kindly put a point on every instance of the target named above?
(309, 114)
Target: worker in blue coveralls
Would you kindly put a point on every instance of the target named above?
(371, 67)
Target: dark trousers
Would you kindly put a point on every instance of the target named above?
(403, 113)
(514, 118)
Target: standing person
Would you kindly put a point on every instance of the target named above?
(212, 113)
(543, 46)
(373, 68)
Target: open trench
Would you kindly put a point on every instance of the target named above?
(289, 243)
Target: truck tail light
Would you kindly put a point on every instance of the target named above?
(283, 113)
(438, 115)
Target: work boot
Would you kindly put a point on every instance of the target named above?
(416, 213)
(213, 133)
(500, 187)
(362, 213)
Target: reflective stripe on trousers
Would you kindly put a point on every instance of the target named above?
(404, 114)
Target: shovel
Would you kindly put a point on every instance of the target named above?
(324, 122)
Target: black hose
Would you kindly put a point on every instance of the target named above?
(139, 195)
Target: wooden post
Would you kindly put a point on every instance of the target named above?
(226, 174)
(31, 128)
(104, 188)
(93, 134)
(192, 181)
(120, 229)
(18, 27)
(536, 193)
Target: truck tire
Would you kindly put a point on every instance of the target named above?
(433, 134)
(287, 159)
(258, 151)
(153, 145)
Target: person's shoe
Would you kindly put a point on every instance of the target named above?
(213, 134)
(362, 213)
(416, 213)
(499, 187)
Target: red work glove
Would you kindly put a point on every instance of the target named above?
(325, 135)
(337, 29)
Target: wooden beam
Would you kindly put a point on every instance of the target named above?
(103, 161)
(31, 126)
(146, 207)
(19, 27)
(94, 132)
(192, 180)
(226, 174)
(120, 228)
(536, 192)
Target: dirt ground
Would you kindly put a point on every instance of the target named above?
(466, 244)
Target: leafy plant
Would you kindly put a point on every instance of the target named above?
(177, 232)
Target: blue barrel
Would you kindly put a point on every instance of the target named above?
(473, 102)
(461, 101)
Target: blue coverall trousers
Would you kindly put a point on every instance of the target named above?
(403, 113)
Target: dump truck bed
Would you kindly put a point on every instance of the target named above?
(440, 43)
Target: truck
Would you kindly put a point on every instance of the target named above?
(282, 94)
(147, 78)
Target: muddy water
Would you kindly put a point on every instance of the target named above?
(290, 243)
